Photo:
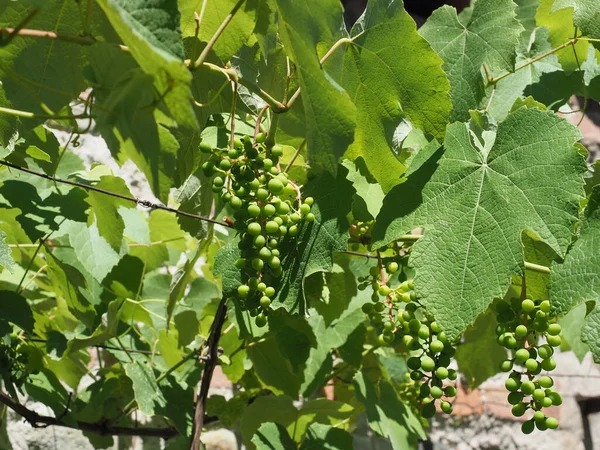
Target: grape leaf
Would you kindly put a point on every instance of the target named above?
(586, 17)
(147, 394)
(106, 209)
(272, 436)
(479, 355)
(387, 86)
(151, 31)
(475, 206)
(48, 71)
(561, 29)
(319, 436)
(15, 309)
(329, 113)
(213, 14)
(572, 325)
(490, 37)
(577, 280)
(6, 260)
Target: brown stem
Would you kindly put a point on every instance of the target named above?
(41, 34)
(38, 421)
(209, 368)
(144, 203)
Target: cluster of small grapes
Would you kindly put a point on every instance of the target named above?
(421, 336)
(13, 362)
(360, 233)
(268, 209)
(521, 324)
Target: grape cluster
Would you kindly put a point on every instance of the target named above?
(360, 233)
(521, 325)
(267, 210)
(429, 348)
(13, 363)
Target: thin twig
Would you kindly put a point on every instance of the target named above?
(144, 203)
(212, 344)
(216, 36)
(298, 150)
(41, 34)
(38, 421)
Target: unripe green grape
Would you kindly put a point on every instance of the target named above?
(225, 164)
(450, 391)
(545, 306)
(416, 375)
(275, 252)
(264, 253)
(545, 351)
(527, 427)
(261, 286)
(243, 291)
(251, 152)
(367, 308)
(392, 267)
(521, 355)
(265, 301)
(446, 407)
(512, 385)
(436, 346)
(506, 365)
(519, 409)
(310, 217)
(531, 365)
(527, 305)
(275, 186)
(260, 138)
(554, 341)
(260, 320)
(268, 210)
(414, 325)
(546, 381)
(262, 194)
(428, 410)
(527, 387)
(218, 182)
(556, 398)
(442, 337)
(539, 325)
(283, 208)
(276, 151)
(509, 342)
(436, 392)
(415, 345)
(384, 291)
(253, 282)
(240, 263)
(521, 331)
(282, 230)
(424, 391)
(254, 229)
(205, 147)
(388, 337)
(554, 329)
(304, 209)
(538, 395)
(548, 364)
(452, 374)
(273, 243)
(236, 202)
(259, 241)
(232, 153)
(274, 262)
(413, 363)
(278, 220)
(257, 264)
(267, 164)
(435, 327)
(427, 364)
(271, 227)
(423, 332)
(293, 231)
(254, 210)
(388, 326)
(514, 398)
(309, 201)
(441, 373)
(541, 425)
(546, 402)
(411, 307)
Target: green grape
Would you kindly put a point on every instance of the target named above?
(271, 227)
(310, 217)
(452, 374)
(423, 332)
(519, 409)
(293, 231)
(515, 398)
(260, 320)
(521, 355)
(424, 391)
(268, 210)
(554, 341)
(254, 210)
(427, 364)
(436, 346)
(441, 373)
(385, 291)
(428, 410)
(436, 392)
(416, 375)
(450, 391)
(205, 147)
(257, 264)
(260, 138)
(545, 351)
(262, 194)
(232, 153)
(264, 253)
(527, 427)
(225, 164)
(521, 331)
(259, 241)
(265, 301)
(551, 423)
(254, 228)
(538, 395)
(270, 291)
(243, 291)
(446, 407)
(304, 209)
(274, 262)
(261, 286)
(531, 365)
(512, 384)
(545, 306)
(527, 387)
(528, 305)
(546, 382)
(546, 402)
(548, 364)
(556, 398)
(236, 202)
(506, 365)
(413, 363)
(275, 186)
(276, 151)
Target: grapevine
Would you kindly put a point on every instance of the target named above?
(334, 219)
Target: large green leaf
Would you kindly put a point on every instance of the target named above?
(474, 207)
(145, 387)
(213, 13)
(14, 309)
(48, 71)
(272, 436)
(151, 31)
(577, 280)
(324, 437)
(490, 37)
(330, 114)
(310, 252)
(387, 85)
(106, 209)
(587, 18)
